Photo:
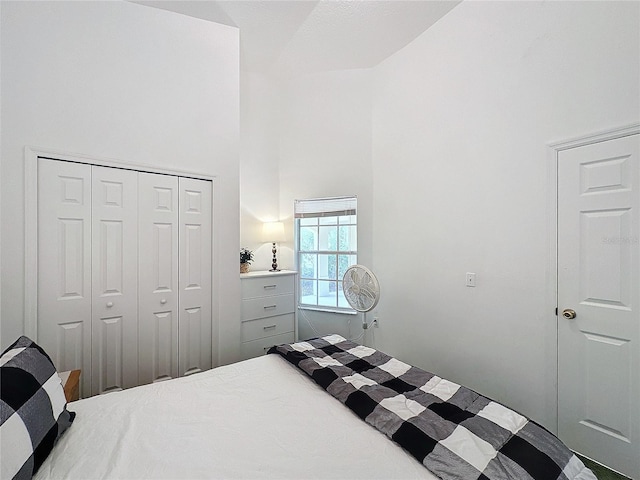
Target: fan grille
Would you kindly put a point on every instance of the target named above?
(361, 288)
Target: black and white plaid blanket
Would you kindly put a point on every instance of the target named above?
(453, 431)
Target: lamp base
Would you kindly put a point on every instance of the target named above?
(274, 261)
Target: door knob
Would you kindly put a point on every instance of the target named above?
(163, 301)
(109, 304)
(569, 314)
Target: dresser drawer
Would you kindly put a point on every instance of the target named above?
(267, 327)
(263, 286)
(267, 306)
(259, 347)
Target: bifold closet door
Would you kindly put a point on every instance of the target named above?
(124, 274)
(195, 276)
(158, 277)
(64, 265)
(114, 272)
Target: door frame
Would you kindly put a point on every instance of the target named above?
(553, 151)
(31, 155)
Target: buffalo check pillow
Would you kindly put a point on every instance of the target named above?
(33, 409)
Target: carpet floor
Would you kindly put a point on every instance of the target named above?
(603, 473)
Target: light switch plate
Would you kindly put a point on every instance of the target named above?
(471, 279)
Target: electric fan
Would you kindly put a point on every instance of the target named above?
(361, 289)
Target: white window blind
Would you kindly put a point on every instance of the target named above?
(325, 207)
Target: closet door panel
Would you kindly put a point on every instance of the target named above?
(108, 357)
(158, 277)
(195, 276)
(64, 265)
(114, 279)
(192, 349)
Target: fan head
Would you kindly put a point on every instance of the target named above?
(361, 288)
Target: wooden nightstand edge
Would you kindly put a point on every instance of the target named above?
(72, 386)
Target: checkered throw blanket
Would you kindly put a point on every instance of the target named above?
(453, 431)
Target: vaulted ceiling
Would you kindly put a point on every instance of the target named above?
(305, 36)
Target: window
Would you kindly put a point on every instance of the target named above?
(326, 232)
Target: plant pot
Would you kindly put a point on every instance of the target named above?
(244, 268)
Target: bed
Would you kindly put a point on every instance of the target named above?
(260, 418)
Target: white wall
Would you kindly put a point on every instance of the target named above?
(2, 344)
(131, 83)
(325, 151)
(303, 137)
(259, 179)
(461, 120)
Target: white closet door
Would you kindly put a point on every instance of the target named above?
(64, 265)
(195, 276)
(158, 277)
(114, 329)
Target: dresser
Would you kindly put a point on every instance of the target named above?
(268, 311)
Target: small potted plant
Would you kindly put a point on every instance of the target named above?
(246, 257)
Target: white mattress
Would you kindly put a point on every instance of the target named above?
(261, 418)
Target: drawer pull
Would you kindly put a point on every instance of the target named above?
(269, 327)
(270, 306)
(269, 286)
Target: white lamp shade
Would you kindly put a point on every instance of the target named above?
(273, 232)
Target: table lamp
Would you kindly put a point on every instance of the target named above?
(273, 232)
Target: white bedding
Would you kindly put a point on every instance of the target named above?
(261, 418)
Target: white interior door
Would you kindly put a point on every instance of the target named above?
(158, 276)
(64, 265)
(114, 329)
(599, 279)
(195, 276)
